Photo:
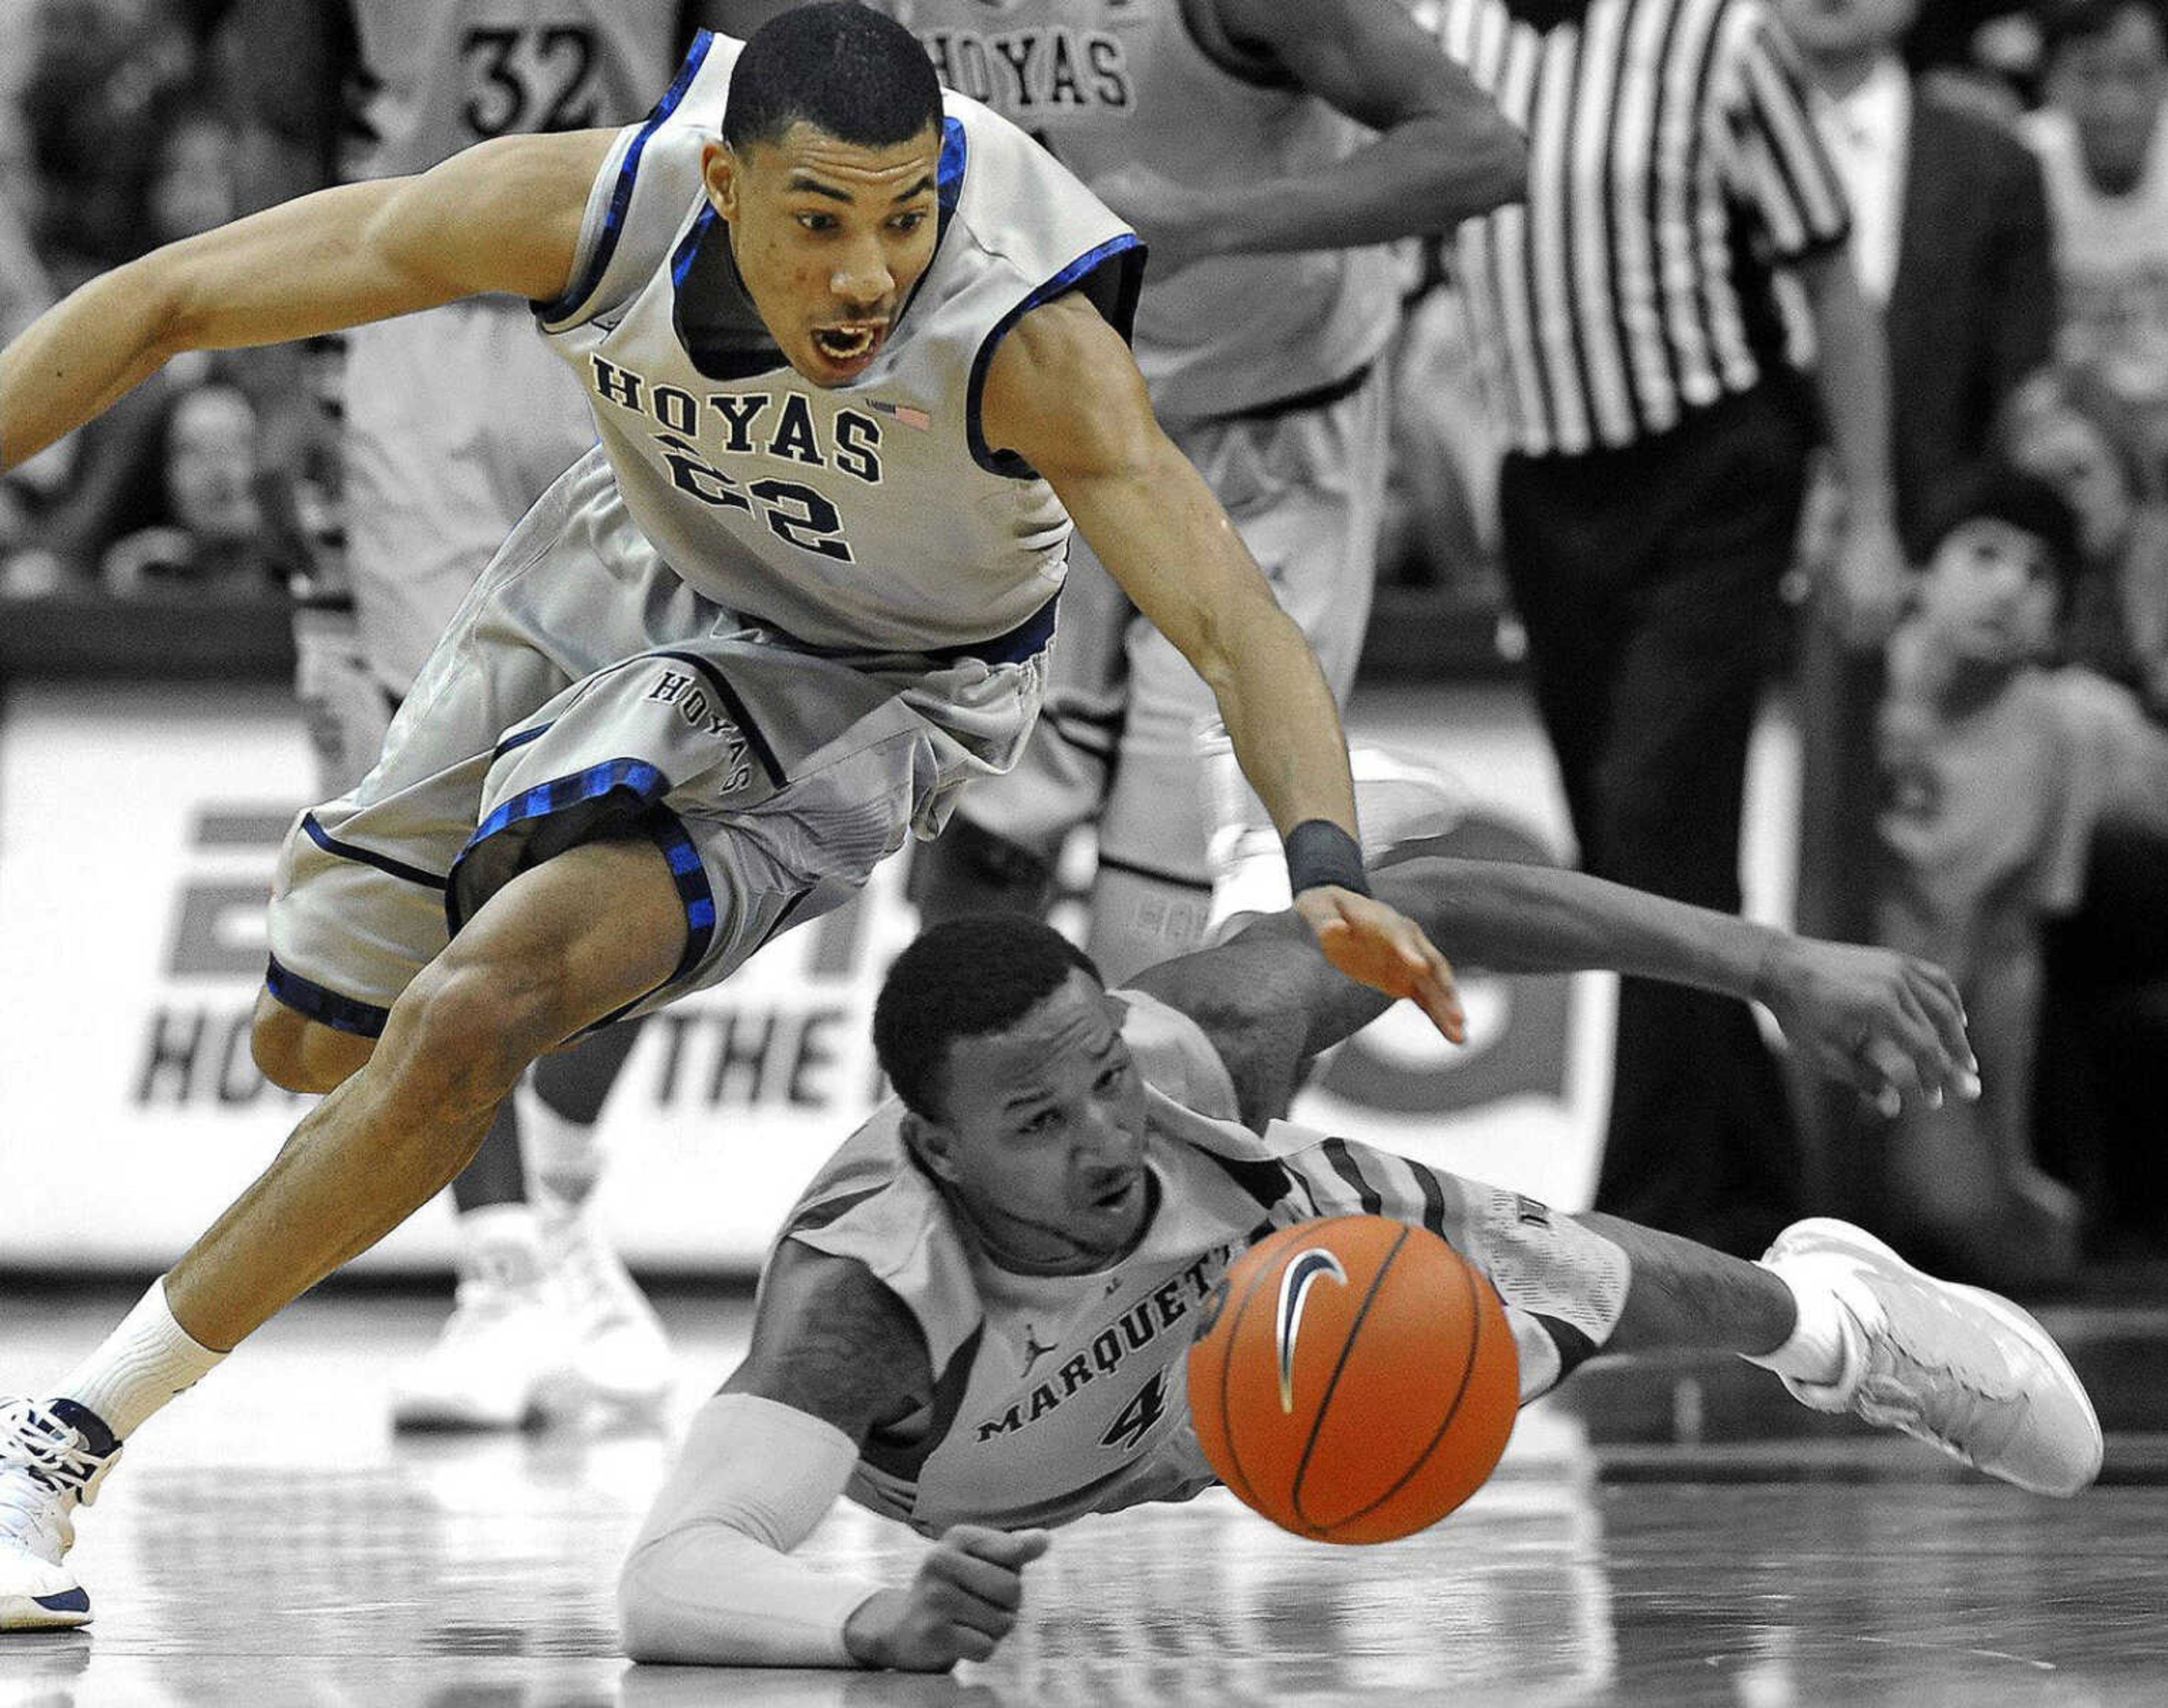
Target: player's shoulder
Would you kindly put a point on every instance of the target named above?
(1175, 1055)
(832, 1338)
(1014, 199)
(2090, 708)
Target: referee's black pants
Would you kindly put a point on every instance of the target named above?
(1647, 578)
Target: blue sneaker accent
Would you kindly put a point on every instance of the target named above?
(68, 1601)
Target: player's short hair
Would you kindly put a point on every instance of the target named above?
(855, 74)
(967, 978)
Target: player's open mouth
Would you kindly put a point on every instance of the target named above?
(1117, 1196)
(848, 342)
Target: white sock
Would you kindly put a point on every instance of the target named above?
(1814, 1352)
(145, 1362)
(563, 1156)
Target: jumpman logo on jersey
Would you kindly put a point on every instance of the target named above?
(1032, 1351)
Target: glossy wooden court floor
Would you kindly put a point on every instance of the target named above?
(1672, 1537)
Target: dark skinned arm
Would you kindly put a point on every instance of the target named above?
(1879, 1021)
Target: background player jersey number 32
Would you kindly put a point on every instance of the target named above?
(529, 77)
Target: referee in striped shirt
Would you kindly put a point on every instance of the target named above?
(1657, 450)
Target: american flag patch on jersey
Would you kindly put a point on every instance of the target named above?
(909, 414)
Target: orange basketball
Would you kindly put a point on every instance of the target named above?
(1353, 1379)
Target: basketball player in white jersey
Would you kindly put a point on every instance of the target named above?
(975, 1319)
(1265, 150)
(856, 359)
(452, 422)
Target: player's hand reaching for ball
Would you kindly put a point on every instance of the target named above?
(1891, 1026)
(962, 1602)
(1379, 946)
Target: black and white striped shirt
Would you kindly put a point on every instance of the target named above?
(1672, 160)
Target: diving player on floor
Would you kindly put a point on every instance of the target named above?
(975, 1319)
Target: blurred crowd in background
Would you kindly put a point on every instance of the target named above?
(127, 123)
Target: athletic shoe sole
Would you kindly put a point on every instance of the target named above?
(63, 1611)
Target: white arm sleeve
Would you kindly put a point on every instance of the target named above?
(711, 1580)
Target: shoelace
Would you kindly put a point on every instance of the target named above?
(592, 1283)
(56, 1467)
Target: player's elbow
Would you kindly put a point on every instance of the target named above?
(643, 1631)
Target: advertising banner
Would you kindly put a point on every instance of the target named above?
(138, 828)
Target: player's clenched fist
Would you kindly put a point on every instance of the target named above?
(962, 1603)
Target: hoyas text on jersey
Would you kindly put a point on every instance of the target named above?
(744, 423)
(1024, 74)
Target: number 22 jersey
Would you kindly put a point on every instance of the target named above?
(871, 517)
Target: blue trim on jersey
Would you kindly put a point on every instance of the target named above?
(949, 180)
(1126, 247)
(681, 263)
(367, 856)
(520, 739)
(948, 192)
(636, 777)
(340, 1013)
(1026, 641)
(621, 194)
(648, 785)
(693, 891)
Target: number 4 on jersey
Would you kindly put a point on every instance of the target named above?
(1139, 1415)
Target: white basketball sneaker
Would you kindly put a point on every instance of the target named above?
(617, 1353)
(500, 1360)
(1398, 798)
(1958, 1367)
(54, 1456)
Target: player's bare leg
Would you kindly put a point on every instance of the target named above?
(539, 963)
(1689, 1297)
(558, 948)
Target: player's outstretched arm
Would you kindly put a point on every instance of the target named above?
(1064, 393)
(503, 216)
(711, 1579)
(1887, 1025)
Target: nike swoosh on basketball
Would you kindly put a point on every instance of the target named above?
(1304, 1269)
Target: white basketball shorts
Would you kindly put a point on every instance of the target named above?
(583, 690)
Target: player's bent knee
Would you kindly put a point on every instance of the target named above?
(300, 1054)
(475, 1025)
